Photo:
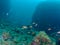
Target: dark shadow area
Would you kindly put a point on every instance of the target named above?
(47, 15)
(58, 42)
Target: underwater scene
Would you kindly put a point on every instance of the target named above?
(29, 22)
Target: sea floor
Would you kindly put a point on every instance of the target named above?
(18, 36)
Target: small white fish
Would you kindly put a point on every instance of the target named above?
(28, 32)
(33, 23)
(49, 29)
(36, 25)
(24, 27)
(30, 26)
(58, 32)
(7, 14)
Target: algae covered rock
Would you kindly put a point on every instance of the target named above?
(43, 39)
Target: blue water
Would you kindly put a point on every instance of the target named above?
(14, 14)
(22, 11)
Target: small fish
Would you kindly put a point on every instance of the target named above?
(49, 29)
(33, 23)
(36, 25)
(24, 27)
(58, 32)
(7, 14)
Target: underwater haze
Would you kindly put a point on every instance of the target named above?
(21, 11)
(29, 22)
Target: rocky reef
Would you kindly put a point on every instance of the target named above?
(10, 35)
